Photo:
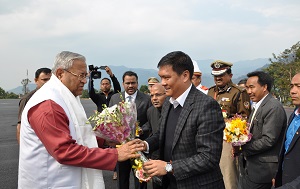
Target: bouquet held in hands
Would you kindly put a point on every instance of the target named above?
(237, 131)
(117, 124)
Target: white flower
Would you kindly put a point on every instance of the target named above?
(235, 139)
(244, 138)
(109, 110)
(237, 131)
(227, 125)
(224, 114)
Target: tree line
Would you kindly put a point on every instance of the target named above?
(282, 68)
(7, 95)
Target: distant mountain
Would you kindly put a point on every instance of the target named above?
(236, 80)
(239, 70)
(18, 90)
(143, 75)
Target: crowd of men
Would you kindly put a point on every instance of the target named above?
(181, 123)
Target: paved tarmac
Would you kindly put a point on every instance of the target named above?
(9, 148)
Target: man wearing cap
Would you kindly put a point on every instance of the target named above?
(196, 79)
(151, 82)
(233, 100)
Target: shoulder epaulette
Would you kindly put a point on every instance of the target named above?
(204, 88)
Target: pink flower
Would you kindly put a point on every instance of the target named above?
(116, 123)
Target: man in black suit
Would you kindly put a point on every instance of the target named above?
(259, 160)
(190, 132)
(288, 174)
(142, 101)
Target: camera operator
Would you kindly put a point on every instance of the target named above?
(105, 93)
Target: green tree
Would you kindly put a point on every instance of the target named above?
(2, 93)
(144, 89)
(85, 94)
(5, 95)
(282, 68)
(11, 95)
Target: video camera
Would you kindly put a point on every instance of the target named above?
(94, 73)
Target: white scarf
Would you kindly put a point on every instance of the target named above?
(91, 178)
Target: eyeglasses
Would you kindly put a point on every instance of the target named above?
(80, 77)
(157, 95)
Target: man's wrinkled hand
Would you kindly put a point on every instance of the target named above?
(129, 149)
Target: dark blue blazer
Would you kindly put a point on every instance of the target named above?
(288, 174)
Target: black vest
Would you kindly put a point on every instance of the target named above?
(170, 131)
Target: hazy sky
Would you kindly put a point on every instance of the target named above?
(137, 33)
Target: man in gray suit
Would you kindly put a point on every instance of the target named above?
(190, 132)
(259, 159)
(143, 102)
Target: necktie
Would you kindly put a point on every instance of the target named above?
(129, 99)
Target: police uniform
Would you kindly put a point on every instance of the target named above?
(233, 100)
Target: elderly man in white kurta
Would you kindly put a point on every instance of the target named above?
(57, 147)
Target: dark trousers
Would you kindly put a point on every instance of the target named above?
(156, 186)
(124, 170)
(169, 182)
(246, 183)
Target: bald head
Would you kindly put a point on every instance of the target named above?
(158, 95)
(159, 87)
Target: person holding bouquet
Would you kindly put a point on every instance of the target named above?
(190, 131)
(233, 100)
(259, 159)
(58, 148)
(142, 101)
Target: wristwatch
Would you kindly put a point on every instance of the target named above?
(169, 167)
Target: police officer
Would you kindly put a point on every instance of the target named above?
(233, 100)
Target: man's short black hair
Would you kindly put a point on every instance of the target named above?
(106, 79)
(263, 79)
(179, 62)
(42, 70)
(130, 73)
(242, 81)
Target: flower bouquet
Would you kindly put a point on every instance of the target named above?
(138, 168)
(116, 123)
(236, 131)
(119, 124)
